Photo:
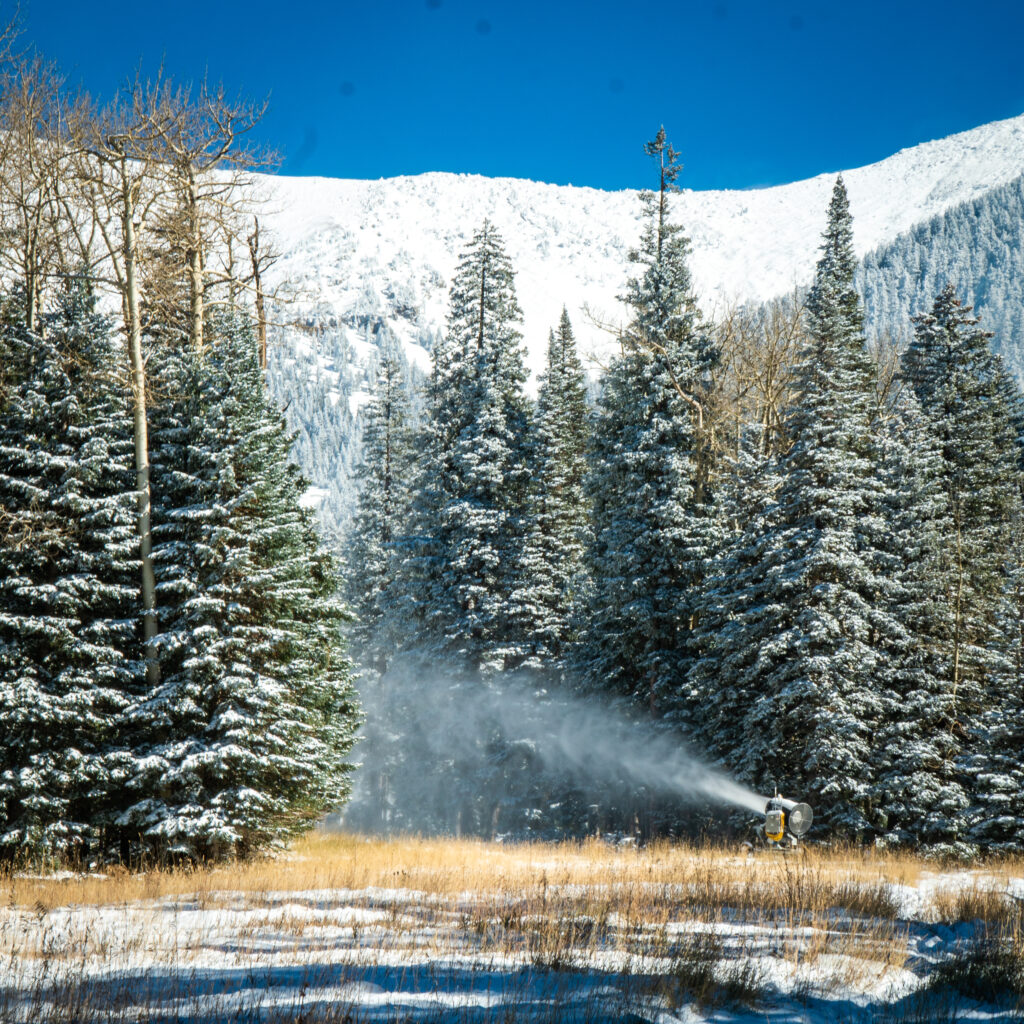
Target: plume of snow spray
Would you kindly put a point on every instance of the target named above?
(604, 743)
(431, 736)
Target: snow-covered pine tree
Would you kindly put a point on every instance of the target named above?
(245, 742)
(919, 796)
(959, 384)
(463, 557)
(70, 656)
(723, 682)
(808, 620)
(1002, 737)
(460, 558)
(384, 477)
(648, 477)
(999, 802)
(552, 580)
(974, 410)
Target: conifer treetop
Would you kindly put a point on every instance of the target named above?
(669, 167)
(666, 323)
(833, 305)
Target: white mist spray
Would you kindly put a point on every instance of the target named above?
(430, 741)
(607, 744)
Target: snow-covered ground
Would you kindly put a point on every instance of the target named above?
(367, 252)
(407, 954)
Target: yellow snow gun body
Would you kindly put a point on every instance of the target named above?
(786, 822)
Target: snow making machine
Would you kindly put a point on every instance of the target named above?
(785, 823)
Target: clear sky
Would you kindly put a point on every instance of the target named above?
(752, 93)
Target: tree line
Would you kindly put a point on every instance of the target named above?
(797, 549)
(978, 247)
(173, 679)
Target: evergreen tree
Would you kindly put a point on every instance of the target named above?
(724, 682)
(385, 477)
(69, 604)
(460, 559)
(647, 482)
(371, 566)
(552, 574)
(998, 768)
(807, 619)
(961, 388)
(975, 412)
(245, 741)
(463, 558)
(919, 796)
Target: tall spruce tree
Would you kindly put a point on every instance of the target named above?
(70, 656)
(385, 479)
(245, 741)
(724, 681)
(552, 581)
(463, 557)
(647, 482)
(807, 619)
(919, 795)
(460, 560)
(962, 389)
(998, 768)
(974, 411)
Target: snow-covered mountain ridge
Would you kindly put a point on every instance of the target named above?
(365, 252)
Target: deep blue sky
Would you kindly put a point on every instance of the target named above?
(752, 93)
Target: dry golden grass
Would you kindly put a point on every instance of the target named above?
(986, 899)
(812, 880)
(674, 922)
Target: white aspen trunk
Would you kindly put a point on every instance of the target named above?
(195, 270)
(138, 369)
(31, 299)
(261, 316)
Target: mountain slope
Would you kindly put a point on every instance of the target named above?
(363, 253)
(978, 247)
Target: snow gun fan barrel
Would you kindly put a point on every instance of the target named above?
(782, 817)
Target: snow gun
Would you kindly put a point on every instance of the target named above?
(785, 823)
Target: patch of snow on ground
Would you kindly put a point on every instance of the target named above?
(357, 400)
(393, 953)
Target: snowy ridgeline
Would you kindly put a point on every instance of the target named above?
(362, 253)
(323, 376)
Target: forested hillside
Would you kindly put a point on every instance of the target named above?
(795, 549)
(978, 247)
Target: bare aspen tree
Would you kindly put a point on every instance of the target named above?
(199, 140)
(759, 349)
(117, 182)
(261, 259)
(30, 170)
(754, 380)
(886, 353)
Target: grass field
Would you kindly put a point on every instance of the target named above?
(347, 928)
